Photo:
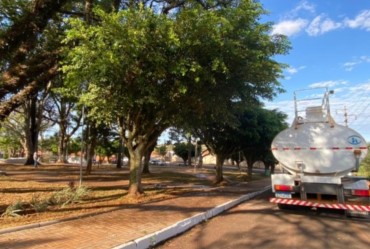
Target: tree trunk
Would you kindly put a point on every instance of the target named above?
(272, 168)
(137, 144)
(135, 186)
(119, 154)
(249, 168)
(88, 11)
(238, 164)
(61, 146)
(90, 146)
(219, 164)
(146, 170)
(65, 149)
(116, 5)
(148, 153)
(189, 150)
(63, 136)
(200, 162)
(32, 132)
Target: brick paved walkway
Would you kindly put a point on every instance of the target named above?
(105, 231)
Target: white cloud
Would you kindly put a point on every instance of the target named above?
(328, 25)
(361, 21)
(321, 25)
(305, 5)
(302, 6)
(285, 106)
(362, 88)
(293, 70)
(329, 83)
(289, 27)
(350, 65)
(365, 58)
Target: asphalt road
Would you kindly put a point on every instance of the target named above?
(260, 224)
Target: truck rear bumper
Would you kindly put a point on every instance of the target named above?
(313, 204)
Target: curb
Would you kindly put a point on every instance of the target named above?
(179, 227)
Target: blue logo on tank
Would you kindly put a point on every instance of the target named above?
(354, 140)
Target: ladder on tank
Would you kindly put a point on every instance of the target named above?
(312, 108)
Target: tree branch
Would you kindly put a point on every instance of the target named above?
(27, 92)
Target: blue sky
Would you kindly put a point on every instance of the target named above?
(330, 48)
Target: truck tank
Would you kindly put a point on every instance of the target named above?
(315, 145)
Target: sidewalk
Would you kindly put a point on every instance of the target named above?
(119, 228)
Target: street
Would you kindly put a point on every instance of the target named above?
(260, 224)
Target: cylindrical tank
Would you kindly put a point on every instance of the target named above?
(319, 148)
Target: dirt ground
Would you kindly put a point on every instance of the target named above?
(26, 192)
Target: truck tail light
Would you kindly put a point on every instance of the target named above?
(361, 192)
(287, 188)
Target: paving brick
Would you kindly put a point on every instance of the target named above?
(113, 229)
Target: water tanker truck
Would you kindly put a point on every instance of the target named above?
(319, 159)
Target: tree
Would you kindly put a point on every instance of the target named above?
(133, 77)
(10, 142)
(219, 137)
(27, 63)
(162, 150)
(262, 126)
(273, 122)
(364, 169)
(65, 113)
(182, 150)
(50, 144)
(34, 123)
(180, 134)
(25, 125)
(251, 132)
(145, 70)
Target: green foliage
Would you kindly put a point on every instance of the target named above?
(182, 150)
(12, 133)
(10, 11)
(364, 169)
(107, 142)
(162, 150)
(50, 144)
(137, 60)
(252, 133)
(13, 210)
(150, 71)
(38, 204)
(267, 124)
(74, 145)
(124, 61)
(68, 195)
(8, 143)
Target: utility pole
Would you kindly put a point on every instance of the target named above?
(82, 145)
(346, 115)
